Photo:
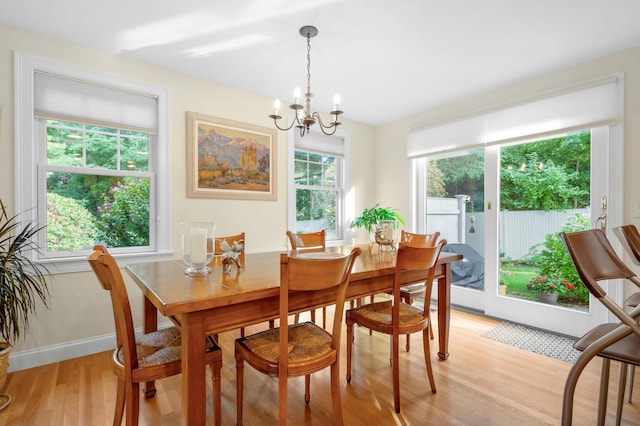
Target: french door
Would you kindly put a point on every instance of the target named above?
(493, 235)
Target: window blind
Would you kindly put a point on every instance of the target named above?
(596, 105)
(316, 142)
(68, 99)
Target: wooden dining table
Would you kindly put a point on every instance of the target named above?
(218, 302)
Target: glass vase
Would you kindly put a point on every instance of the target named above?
(197, 246)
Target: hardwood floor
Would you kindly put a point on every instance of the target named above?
(482, 383)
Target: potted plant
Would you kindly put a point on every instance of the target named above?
(22, 283)
(549, 288)
(380, 223)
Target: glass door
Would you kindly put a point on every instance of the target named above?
(502, 208)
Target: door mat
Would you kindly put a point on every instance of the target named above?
(537, 341)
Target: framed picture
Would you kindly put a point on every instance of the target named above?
(230, 159)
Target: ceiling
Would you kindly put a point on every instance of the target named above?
(386, 59)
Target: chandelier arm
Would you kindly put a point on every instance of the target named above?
(275, 122)
(334, 124)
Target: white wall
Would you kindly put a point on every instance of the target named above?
(79, 319)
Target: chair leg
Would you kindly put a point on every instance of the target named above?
(119, 411)
(239, 389)
(241, 331)
(408, 345)
(217, 393)
(395, 356)
(604, 390)
(313, 316)
(307, 388)
(132, 403)
(621, 385)
(427, 360)
(349, 346)
(335, 394)
(632, 373)
(324, 317)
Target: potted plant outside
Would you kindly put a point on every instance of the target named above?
(22, 283)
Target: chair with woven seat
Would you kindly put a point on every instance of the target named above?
(412, 291)
(146, 358)
(302, 348)
(395, 317)
(309, 241)
(595, 260)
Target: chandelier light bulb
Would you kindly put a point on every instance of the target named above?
(296, 95)
(336, 102)
(276, 106)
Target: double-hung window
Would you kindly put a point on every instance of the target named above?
(319, 175)
(91, 159)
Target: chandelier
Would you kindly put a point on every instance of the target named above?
(304, 118)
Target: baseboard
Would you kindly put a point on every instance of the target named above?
(21, 360)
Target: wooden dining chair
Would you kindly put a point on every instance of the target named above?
(595, 260)
(217, 258)
(395, 317)
(147, 357)
(309, 241)
(409, 292)
(302, 348)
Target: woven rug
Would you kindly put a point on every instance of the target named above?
(532, 340)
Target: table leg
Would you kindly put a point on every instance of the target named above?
(444, 308)
(149, 324)
(194, 390)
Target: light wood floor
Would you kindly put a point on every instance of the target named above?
(482, 383)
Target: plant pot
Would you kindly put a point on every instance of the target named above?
(5, 348)
(502, 289)
(551, 298)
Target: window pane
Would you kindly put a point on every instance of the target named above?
(329, 173)
(102, 151)
(113, 211)
(300, 173)
(316, 211)
(134, 154)
(64, 147)
(315, 174)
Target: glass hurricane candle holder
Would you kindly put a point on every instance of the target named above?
(197, 246)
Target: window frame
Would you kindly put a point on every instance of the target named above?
(339, 146)
(30, 188)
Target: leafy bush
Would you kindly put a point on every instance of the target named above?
(123, 218)
(70, 226)
(554, 259)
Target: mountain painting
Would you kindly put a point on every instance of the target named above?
(233, 160)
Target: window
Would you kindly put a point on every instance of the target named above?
(318, 185)
(92, 162)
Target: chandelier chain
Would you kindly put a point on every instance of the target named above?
(308, 63)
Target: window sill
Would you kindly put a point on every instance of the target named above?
(80, 263)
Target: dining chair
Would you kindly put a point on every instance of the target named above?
(309, 241)
(395, 317)
(412, 291)
(218, 251)
(302, 348)
(147, 357)
(630, 239)
(595, 260)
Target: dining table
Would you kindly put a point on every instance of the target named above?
(211, 304)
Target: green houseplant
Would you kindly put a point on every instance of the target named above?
(372, 216)
(22, 283)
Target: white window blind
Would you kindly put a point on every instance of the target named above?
(597, 105)
(61, 98)
(316, 142)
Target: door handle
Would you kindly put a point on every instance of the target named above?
(602, 219)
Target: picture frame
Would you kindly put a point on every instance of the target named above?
(230, 159)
